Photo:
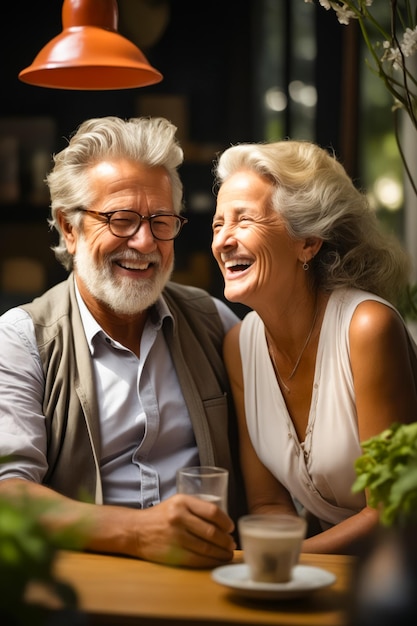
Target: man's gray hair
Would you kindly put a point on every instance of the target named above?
(149, 141)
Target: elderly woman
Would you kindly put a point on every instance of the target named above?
(323, 361)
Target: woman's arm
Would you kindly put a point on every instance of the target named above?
(382, 375)
(385, 393)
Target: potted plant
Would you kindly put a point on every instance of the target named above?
(387, 469)
(27, 555)
(385, 588)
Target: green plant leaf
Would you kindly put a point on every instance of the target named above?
(387, 469)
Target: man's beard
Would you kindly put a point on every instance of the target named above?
(124, 296)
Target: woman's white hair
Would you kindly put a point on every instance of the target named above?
(316, 198)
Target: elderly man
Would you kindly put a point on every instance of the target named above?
(114, 379)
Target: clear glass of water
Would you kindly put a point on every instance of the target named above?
(205, 482)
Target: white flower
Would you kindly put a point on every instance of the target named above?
(402, 15)
(408, 47)
(392, 55)
(343, 13)
(409, 42)
(324, 3)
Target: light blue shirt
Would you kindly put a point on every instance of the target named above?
(146, 430)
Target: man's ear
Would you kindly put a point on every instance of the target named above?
(68, 231)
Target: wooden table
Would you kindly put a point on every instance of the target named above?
(123, 591)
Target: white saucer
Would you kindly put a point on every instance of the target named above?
(305, 579)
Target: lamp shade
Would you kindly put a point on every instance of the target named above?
(90, 54)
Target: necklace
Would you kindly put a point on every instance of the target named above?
(297, 363)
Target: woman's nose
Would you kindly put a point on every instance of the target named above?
(224, 237)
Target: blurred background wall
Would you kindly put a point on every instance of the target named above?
(252, 70)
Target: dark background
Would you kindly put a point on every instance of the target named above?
(205, 53)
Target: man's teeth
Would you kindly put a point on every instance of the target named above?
(141, 266)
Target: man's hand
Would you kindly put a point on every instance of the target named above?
(184, 530)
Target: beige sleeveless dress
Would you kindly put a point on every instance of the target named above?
(319, 472)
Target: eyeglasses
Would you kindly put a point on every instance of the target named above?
(126, 223)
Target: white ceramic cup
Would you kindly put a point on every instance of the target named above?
(271, 545)
(205, 482)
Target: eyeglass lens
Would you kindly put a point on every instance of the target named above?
(127, 223)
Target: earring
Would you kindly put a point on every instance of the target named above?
(305, 265)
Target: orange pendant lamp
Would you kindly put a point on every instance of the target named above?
(90, 54)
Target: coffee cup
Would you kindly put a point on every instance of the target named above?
(271, 545)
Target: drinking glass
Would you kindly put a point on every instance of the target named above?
(204, 482)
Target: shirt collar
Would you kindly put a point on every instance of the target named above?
(158, 313)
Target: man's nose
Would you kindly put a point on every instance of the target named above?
(143, 237)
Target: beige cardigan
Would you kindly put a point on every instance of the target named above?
(70, 403)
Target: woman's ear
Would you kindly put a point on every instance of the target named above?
(311, 247)
(68, 232)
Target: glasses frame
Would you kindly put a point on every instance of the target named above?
(142, 218)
